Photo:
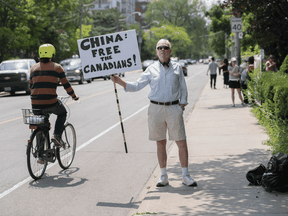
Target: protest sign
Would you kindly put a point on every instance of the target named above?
(109, 54)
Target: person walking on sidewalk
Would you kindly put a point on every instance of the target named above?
(243, 82)
(234, 81)
(213, 71)
(224, 67)
(168, 98)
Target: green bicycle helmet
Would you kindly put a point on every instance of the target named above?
(47, 51)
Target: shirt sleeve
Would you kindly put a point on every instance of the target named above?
(143, 81)
(183, 88)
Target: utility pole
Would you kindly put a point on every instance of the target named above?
(140, 37)
(237, 48)
(81, 12)
(225, 55)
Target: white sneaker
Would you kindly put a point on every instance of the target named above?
(163, 181)
(187, 180)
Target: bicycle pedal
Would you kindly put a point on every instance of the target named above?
(40, 161)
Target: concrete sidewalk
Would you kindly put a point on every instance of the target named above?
(224, 143)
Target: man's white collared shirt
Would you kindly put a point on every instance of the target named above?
(167, 84)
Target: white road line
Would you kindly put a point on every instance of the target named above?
(77, 149)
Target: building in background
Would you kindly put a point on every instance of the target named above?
(106, 4)
(127, 8)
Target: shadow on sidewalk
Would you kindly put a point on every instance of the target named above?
(226, 106)
(222, 187)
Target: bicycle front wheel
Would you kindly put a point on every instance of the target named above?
(35, 148)
(65, 155)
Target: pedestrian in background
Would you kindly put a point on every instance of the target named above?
(249, 70)
(213, 72)
(234, 81)
(243, 82)
(270, 64)
(168, 98)
(75, 55)
(224, 67)
(220, 63)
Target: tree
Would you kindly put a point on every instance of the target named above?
(219, 26)
(26, 24)
(182, 13)
(268, 21)
(177, 36)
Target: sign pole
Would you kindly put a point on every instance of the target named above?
(122, 127)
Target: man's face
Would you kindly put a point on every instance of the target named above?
(163, 51)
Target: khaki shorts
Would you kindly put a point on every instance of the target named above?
(161, 118)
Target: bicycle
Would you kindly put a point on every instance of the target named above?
(40, 149)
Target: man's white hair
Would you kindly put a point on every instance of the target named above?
(163, 40)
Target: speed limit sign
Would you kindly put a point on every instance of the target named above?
(236, 24)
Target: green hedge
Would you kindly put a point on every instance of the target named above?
(271, 91)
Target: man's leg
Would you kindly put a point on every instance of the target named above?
(215, 77)
(183, 156)
(183, 152)
(161, 153)
(211, 79)
(162, 158)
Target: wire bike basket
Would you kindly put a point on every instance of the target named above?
(30, 118)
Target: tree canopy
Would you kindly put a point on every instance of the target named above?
(182, 13)
(267, 24)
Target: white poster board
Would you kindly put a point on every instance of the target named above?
(109, 54)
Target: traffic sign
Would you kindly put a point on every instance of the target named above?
(236, 24)
(240, 35)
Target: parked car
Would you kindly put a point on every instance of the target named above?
(206, 61)
(201, 60)
(15, 74)
(146, 64)
(184, 68)
(194, 61)
(185, 62)
(73, 70)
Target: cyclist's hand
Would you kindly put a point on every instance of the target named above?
(76, 98)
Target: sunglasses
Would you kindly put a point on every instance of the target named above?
(163, 47)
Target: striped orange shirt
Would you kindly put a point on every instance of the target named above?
(43, 84)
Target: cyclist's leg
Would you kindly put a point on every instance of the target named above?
(61, 113)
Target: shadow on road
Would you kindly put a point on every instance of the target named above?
(62, 180)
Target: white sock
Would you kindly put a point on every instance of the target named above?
(184, 171)
(163, 171)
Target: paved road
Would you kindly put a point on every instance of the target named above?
(103, 179)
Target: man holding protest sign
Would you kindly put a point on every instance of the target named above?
(168, 98)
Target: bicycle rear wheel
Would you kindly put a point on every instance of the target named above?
(65, 155)
(35, 149)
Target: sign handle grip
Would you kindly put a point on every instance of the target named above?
(119, 111)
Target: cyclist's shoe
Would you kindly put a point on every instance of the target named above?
(58, 141)
(40, 161)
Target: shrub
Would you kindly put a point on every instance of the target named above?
(271, 89)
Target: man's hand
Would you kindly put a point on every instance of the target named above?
(117, 79)
(183, 106)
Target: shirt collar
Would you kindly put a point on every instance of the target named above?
(165, 63)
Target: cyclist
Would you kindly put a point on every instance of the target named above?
(43, 84)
